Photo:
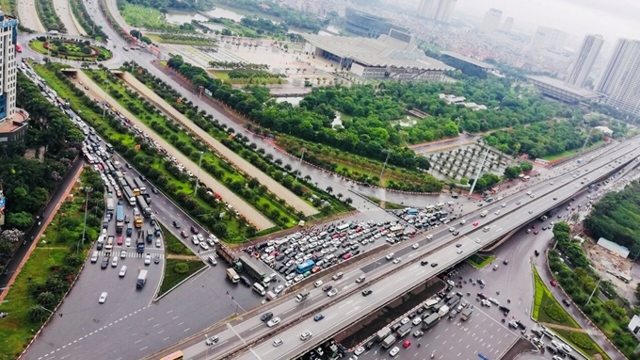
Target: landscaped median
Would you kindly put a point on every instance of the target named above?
(52, 267)
(479, 261)
(76, 50)
(548, 311)
(147, 159)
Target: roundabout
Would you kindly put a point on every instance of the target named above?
(70, 49)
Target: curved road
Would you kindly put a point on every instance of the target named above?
(29, 16)
(63, 10)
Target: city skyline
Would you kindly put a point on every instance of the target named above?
(612, 19)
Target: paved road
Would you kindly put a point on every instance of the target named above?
(29, 16)
(63, 10)
(446, 256)
(245, 166)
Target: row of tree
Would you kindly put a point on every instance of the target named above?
(290, 17)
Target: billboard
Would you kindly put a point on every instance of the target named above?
(3, 202)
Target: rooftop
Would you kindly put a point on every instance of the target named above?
(469, 60)
(15, 122)
(561, 85)
(383, 51)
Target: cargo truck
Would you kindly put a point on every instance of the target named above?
(430, 321)
(142, 279)
(119, 217)
(388, 341)
(140, 245)
(109, 244)
(466, 313)
(443, 311)
(302, 295)
(383, 333)
(110, 204)
(404, 330)
(137, 218)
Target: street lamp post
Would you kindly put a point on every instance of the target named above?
(104, 99)
(593, 292)
(478, 174)
(86, 208)
(385, 162)
(195, 192)
(301, 157)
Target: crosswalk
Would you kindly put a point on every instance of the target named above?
(130, 254)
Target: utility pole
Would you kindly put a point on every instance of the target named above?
(593, 292)
(104, 107)
(86, 208)
(385, 162)
(586, 140)
(195, 192)
(478, 174)
(301, 157)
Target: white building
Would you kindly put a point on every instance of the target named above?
(439, 10)
(508, 24)
(13, 124)
(548, 38)
(587, 55)
(621, 79)
(491, 21)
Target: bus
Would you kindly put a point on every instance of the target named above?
(233, 275)
(134, 187)
(343, 226)
(144, 208)
(90, 159)
(257, 287)
(140, 185)
(129, 195)
(178, 355)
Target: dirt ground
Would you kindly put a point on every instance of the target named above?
(607, 264)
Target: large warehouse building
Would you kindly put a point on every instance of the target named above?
(395, 56)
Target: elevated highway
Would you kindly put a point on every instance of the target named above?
(249, 338)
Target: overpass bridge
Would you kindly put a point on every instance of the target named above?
(249, 338)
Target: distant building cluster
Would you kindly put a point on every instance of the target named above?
(364, 24)
(461, 100)
(438, 10)
(548, 38)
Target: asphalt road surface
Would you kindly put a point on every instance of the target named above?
(447, 256)
(29, 16)
(63, 10)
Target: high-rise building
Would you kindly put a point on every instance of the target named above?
(587, 55)
(439, 10)
(548, 38)
(621, 78)
(13, 125)
(508, 25)
(364, 24)
(491, 20)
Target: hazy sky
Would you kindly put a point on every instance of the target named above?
(611, 18)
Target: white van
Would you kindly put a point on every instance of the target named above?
(484, 213)
(94, 257)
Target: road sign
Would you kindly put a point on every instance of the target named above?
(482, 357)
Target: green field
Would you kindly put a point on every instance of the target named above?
(546, 309)
(571, 152)
(173, 277)
(224, 76)
(143, 17)
(479, 262)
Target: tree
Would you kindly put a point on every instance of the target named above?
(329, 189)
(512, 172)
(37, 314)
(20, 220)
(348, 201)
(637, 291)
(526, 166)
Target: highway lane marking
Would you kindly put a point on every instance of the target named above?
(138, 341)
(255, 327)
(149, 319)
(165, 339)
(187, 329)
(181, 323)
(169, 312)
(143, 348)
(175, 317)
(160, 332)
(156, 325)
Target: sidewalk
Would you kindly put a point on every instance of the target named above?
(576, 314)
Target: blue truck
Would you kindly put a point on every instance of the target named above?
(305, 266)
(119, 217)
(140, 245)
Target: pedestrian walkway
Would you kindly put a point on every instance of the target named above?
(562, 327)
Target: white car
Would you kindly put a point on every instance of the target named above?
(277, 342)
(123, 254)
(278, 289)
(204, 246)
(158, 243)
(103, 298)
(429, 237)
(397, 260)
(405, 321)
(504, 205)
(127, 242)
(123, 271)
(452, 229)
(318, 283)
(147, 259)
(416, 321)
(358, 351)
(394, 351)
(459, 251)
(497, 212)
(389, 256)
(415, 246)
(332, 292)
(463, 221)
(114, 262)
(273, 322)
(298, 278)
(305, 335)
